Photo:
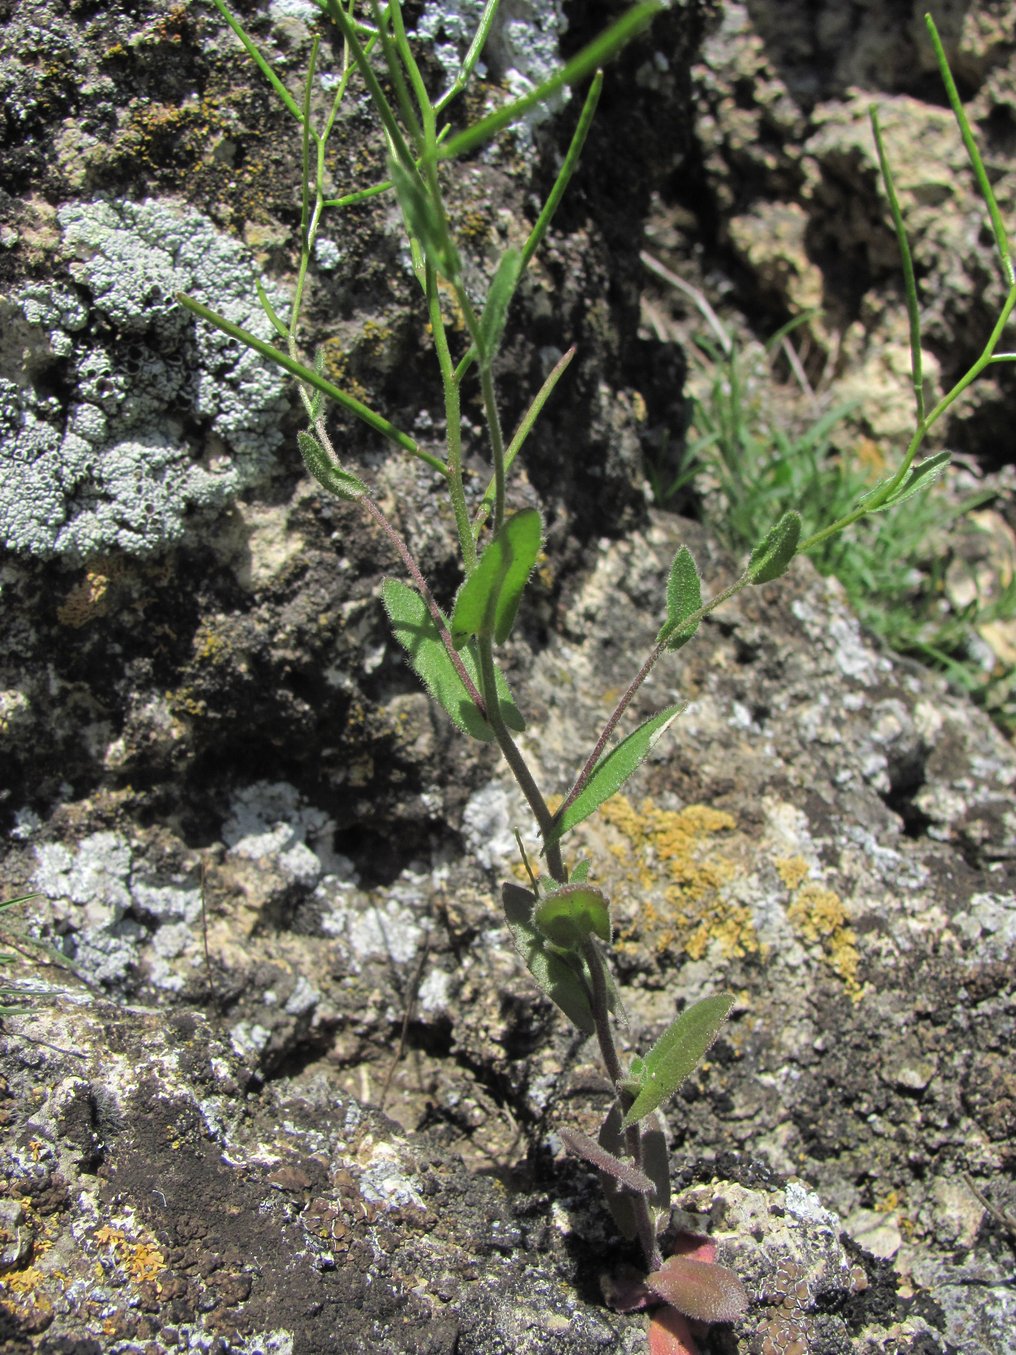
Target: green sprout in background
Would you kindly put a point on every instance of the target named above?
(561, 922)
(747, 462)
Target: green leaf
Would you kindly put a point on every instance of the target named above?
(317, 399)
(472, 56)
(521, 433)
(684, 596)
(907, 263)
(499, 297)
(632, 1084)
(489, 598)
(425, 219)
(559, 977)
(260, 61)
(568, 168)
(772, 557)
(613, 770)
(336, 480)
(415, 629)
(569, 915)
(973, 154)
(677, 1052)
(304, 373)
(656, 1159)
(919, 477)
(579, 872)
(382, 107)
(280, 328)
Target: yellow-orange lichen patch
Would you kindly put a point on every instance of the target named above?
(90, 597)
(140, 1261)
(668, 867)
(792, 870)
(820, 918)
(22, 1296)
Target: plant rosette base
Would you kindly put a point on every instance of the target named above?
(690, 1289)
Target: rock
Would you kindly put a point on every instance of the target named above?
(300, 1094)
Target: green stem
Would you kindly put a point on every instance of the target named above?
(453, 420)
(513, 756)
(626, 698)
(920, 433)
(496, 442)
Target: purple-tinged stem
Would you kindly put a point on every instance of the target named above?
(423, 589)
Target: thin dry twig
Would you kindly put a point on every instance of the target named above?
(411, 996)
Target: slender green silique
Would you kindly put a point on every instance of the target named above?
(560, 925)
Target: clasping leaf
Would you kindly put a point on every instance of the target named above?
(571, 914)
(772, 556)
(324, 470)
(495, 311)
(655, 1161)
(489, 598)
(684, 596)
(676, 1053)
(561, 977)
(425, 219)
(415, 629)
(919, 477)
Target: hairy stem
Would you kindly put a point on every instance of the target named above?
(600, 1003)
(453, 421)
(685, 623)
(423, 588)
(516, 762)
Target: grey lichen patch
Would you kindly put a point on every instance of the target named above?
(270, 821)
(157, 418)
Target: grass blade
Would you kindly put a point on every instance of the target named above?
(298, 369)
(997, 224)
(909, 281)
(592, 56)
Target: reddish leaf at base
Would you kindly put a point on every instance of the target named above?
(669, 1334)
(699, 1289)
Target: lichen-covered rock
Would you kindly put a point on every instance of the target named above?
(275, 866)
(113, 466)
(779, 844)
(159, 1206)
